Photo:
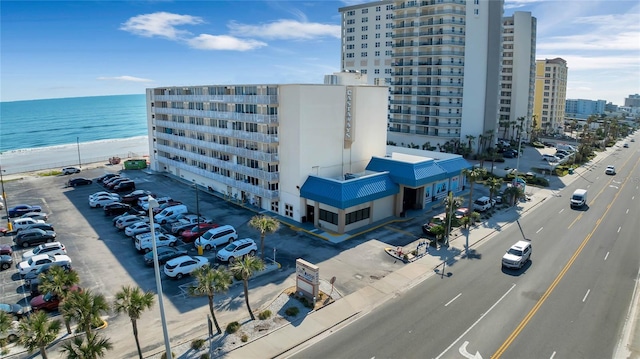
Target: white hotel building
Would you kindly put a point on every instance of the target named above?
(309, 152)
(443, 64)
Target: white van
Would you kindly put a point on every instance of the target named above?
(566, 147)
(579, 198)
(170, 213)
(216, 237)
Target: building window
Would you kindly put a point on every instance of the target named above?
(351, 21)
(274, 207)
(377, 17)
(351, 38)
(351, 29)
(365, 28)
(351, 13)
(350, 55)
(364, 37)
(377, 44)
(377, 36)
(363, 71)
(363, 46)
(378, 28)
(328, 216)
(378, 8)
(288, 210)
(377, 53)
(365, 11)
(351, 47)
(389, 16)
(357, 216)
(476, 11)
(365, 19)
(363, 54)
(376, 71)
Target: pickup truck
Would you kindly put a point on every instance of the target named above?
(186, 221)
(483, 203)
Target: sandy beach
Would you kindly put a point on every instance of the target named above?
(36, 159)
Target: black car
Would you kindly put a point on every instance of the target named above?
(43, 226)
(116, 208)
(124, 186)
(133, 197)
(510, 154)
(164, 254)
(105, 177)
(6, 261)
(21, 209)
(31, 237)
(31, 276)
(79, 181)
(106, 181)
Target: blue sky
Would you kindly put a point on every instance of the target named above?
(52, 49)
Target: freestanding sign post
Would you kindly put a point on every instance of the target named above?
(307, 279)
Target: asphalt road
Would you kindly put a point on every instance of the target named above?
(570, 300)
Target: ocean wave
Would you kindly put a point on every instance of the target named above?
(82, 144)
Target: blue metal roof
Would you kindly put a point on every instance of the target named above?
(453, 166)
(409, 174)
(345, 194)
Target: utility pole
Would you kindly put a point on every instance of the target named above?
(4, 200)
(78, 143)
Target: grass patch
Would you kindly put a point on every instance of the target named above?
(265, 315)
(197, 344)
(292, 311)
(232, 327)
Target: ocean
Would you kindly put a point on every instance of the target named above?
(37, 124)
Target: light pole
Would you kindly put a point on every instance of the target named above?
(195, 184)
(4, 200)
(78, 142)
(154, 204)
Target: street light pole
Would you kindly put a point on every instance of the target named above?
(195, 184)
(154, 204)
(79, 161)
(4, 200)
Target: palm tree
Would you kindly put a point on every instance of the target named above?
(472, 174)
(494, 185)
(513, 128)
(5, 324)
(95, 347)
(85, 308)
(210, 281)
(470, 140)
(133, 301)
(265, 225)
(513, 193)
(450, 204)
(37, 332)
(244, 268)
(59, 281)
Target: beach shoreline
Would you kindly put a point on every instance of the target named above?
(59, 156)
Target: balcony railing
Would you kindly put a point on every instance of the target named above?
(243, 186)
(232, 150)
(235, 116)
(244, 135)
(246, 99)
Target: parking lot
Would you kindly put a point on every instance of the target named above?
(106, 259)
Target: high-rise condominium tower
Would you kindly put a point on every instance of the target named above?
(551, 94)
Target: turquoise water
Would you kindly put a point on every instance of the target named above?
(52, 122)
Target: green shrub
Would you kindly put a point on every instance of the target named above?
(197, 344)
(205, 356)
(232, 327)
(265, 315)
(164, 355)
(292, 311)
(244, 338)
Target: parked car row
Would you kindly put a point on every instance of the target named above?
(116, 182)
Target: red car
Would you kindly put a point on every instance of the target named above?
(195, 232)
(5, 249)
(49, 301)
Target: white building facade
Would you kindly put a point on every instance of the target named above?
(517, 84)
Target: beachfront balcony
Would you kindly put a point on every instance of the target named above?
(232, 150)
(234, 116)
(215, 162)
(245, 99)
(244, 135)
(241, 186)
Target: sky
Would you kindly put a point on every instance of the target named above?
(55, 49)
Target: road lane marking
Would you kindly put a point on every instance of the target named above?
(627, 212)
(463, 351)
(589, 184)
(574, 221)
(454, 298)
(476, 322)
(619, 229)
(552, 355)
(562, 210)
(555, 282)
(586, 295)
(606, 256)
(538, 231)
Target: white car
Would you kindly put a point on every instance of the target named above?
(181, 266)
(143, 202)
(22, 223)
(70, 170)
(144, 244)
(611, 170)
(237, 249)
(52, 248)
(36, 215)
(37, 261)
(102, 201)
(139, 228)
(517, 255)
(126, 221)
(103, 194)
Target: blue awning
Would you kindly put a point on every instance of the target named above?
(349, 193)
(409, 174)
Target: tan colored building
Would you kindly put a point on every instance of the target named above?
(550, 94)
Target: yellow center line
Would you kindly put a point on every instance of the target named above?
(553, 285)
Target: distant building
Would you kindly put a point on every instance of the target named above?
(582, 109)
(610, 107)
(550, 94)
(632, 101)
(517, 84)
(312, 153)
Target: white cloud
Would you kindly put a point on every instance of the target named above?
(124, 78)
(223, 42)
(162, 24)
(285, 29)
